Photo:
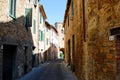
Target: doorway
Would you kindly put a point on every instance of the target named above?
(69, 53)
(26, 56)
(9, 60)
(118, 57)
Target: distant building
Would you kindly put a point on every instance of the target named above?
(51, 42)
(54, 42)
(16, 42)
(47, 35)
(60, 29)
(47, 42)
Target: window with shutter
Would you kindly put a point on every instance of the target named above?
(42, 36)
(34, 27)
(12, 8)
(46, 41)
(40, 18)
(35, 3)
(72, 8)
(28, 15)
(39, 35)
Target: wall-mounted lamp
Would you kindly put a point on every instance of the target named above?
(1, 46)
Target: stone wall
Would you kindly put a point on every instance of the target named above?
(94, 57)
(102, 16)
(14, 32)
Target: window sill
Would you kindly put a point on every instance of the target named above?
(12, 16)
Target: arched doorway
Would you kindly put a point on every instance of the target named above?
(61, 53)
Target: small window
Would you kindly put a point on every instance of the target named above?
(68, 21)
(28, 16)
(12, 8)
(72, 8)
(62, 31)
(46, 29)
(47, 41)
(35, 3)
(34, 27)
(40, 16)
(41, 35)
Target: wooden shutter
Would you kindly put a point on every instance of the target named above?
(42, 36)
(39, 35)
(28, 14)
(34, 28)
(72, 8)
(12, 8)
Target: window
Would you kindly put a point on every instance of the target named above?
(69, 53)
(61, 30)
(41, 35)
(35, 3)
(46, 29)
(68, 20)
(34, 27)
(40, 18)
(72, 9)
(73, 45)
(43, 24)
(28, 16)
(46, 41)
(12, 8)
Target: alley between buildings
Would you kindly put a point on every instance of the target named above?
(52, 70)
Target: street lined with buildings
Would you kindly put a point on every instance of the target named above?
(88, 40)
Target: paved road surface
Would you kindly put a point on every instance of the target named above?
(54, 70)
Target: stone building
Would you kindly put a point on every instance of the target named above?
(92, 38)
(38, 12)
(54, 42)
(51, 46)
(16, 43)
(60, 29)
(47, 41)
(42, 26)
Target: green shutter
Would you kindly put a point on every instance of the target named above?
(28, 14)
(34, 28)
(12, 8)
(39, 35)
(42, 36)
(46, 41)
(40, 17)
(35, 2)
(72, 8)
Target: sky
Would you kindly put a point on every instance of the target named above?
(54, 10)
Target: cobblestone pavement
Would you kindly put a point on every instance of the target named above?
(54, 70)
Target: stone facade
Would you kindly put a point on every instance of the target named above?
(60, 29)
(92, 38)
(16, 42)
(42, 43)
(51, 50)
(35, 33)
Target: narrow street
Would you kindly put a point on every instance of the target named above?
(53, 70)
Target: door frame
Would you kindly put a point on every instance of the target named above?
(14, 66)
